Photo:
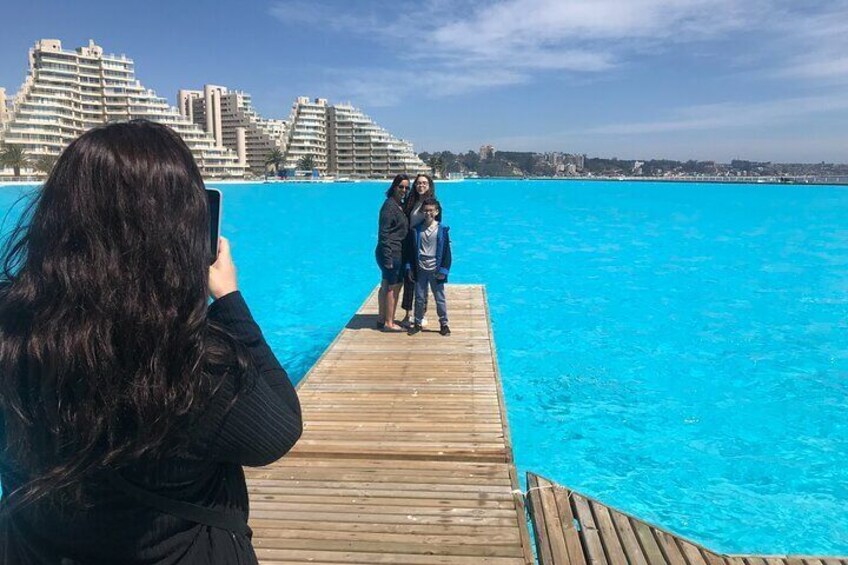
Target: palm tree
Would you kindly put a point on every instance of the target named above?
(15, 157)
(436, 163)
(275, 158)
(306, 163)
(45, 163)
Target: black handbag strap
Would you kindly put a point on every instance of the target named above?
(185, 510)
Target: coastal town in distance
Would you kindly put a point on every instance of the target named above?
(67, 92)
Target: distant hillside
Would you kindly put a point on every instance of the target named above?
(530, 164)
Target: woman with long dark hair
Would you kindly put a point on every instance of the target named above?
(128, 404)
(391, 233)
(423, 188)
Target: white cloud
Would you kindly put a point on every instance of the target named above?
(819, 66)
(731, 115)
(817, 43)
(552, 22)
(385, 87)
(304, 12)
(483, 45)
(728, 116)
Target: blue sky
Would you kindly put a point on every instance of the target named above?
(680, 79)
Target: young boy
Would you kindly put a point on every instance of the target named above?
(428, 263)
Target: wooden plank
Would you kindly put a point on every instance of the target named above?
(387, 509)
(649, 543)
(669, 547)
(555, 527)
(353, 536)
(366, 475)
(521, 516)
(713, 558)
(628, 539)
(569, 524)
(383, 545)
(359, 462)
(691, 552)
(544, 550)
(609, 536)
(365, 488)
(479, 502)
(588, 531)
(469, 530)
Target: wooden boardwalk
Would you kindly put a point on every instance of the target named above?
(405, 456)
(572, 529)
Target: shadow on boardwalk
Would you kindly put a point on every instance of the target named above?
(363, 322)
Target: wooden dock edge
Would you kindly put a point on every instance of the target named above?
(517, 494)
(571, 528)
(329, 347)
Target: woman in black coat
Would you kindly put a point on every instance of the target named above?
(391, 232)
(128, 405)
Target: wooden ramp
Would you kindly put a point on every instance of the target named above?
(572, 529)
(405, 456)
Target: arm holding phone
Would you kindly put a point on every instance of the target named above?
(222, 273)
(265, 422)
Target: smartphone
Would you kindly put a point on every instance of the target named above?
(213, 196)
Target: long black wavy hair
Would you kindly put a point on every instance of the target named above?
(106, 353)
(399, 178)
(413, 198)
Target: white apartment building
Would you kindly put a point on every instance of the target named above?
(2, 107)
(345, 142)
(230, 118)
(307, 133)
(69, 92)
(361, 148)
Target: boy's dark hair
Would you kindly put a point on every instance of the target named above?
(431, 202)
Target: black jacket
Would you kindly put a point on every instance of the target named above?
(392, 230)
(262, 425)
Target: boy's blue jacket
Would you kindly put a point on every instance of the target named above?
(443, 250)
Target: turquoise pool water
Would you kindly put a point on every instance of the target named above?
(676, 350)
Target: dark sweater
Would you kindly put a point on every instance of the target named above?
(262, 425)
(392, 231)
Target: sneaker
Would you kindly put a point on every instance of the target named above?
(445, 330)
(424, 322)
(414, 329)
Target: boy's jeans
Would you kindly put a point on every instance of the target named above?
(428, 279)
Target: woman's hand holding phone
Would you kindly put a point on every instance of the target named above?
(222, 273)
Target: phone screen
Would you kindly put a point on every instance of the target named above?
(214, 198)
